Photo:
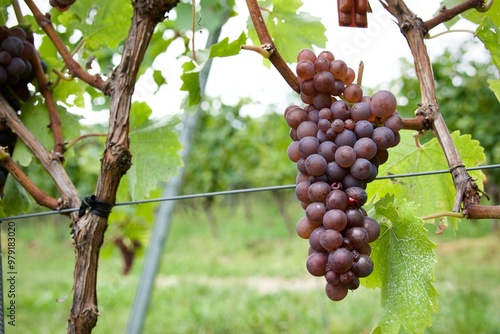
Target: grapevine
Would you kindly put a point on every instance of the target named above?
(340, 138)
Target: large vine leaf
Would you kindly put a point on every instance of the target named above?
(489, 33)
(404, 268)
(37, 121)
(434, 193)
(154, 146)
(99, 29)
(290, 29)
(15, 200)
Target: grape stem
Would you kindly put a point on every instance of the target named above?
(55, 120)
(38, 195)
(18, 12)
(447, 14)
(260, 50)
(78, 139)
(44, 22)
(450, 31)
(266, 39)
(443, 214)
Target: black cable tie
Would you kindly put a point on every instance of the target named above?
(96, 207)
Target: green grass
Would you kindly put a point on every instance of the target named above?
(250, 279)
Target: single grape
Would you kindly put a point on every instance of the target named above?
(318, 191)
(336, 292)
(339, 69)
(345, 156)
(350, 181)
(383, 137)
(353, 93)
(307, 99)
(354, 218)
(293, 151)
(324, 125)
(307, 87)
(340, 110)
(321, 64)
(307, 146)
(313, 116)
(327, 54)
(338, 125)
(5, 57)
(13, 45)
(365, 148)
(304, 228)
(327, 149)
(340, 260)
(354, 284)
(357, 196)
(316, 263)
(301, 191)
(394, 122)
(16, 66)
(295, 116)
(363, 267)
(345, 138)
(334, 172)
(315, 164)
(306, 54)
(372, 227)
(332, 277)
(306, 129)
(28, 51)
(331, 240)
(383, 103)
(361, 168)
(323, 81)
(349, 76)
(305, 69)
(322, 100)
(301, 165)
(357, 236)
(301, 177)
(338, 88)
(360, 111)
(325, 113)
(347, 277)
(314, 239)
(382, 156)
(335, 219)
(363, 129)
(336, 199)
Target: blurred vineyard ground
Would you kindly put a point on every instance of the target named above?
(250, 279)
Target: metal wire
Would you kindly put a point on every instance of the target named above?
(235, 191)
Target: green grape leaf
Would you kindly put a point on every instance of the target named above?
(226, 49)
(4, 14)
(489, 33)
(408, 158)
(15, 200)
(472, 15)
(404, 259)
(154, 147)
(290, 29)
(92, 18)
(191, 82)
(495, 87)
(35, 117)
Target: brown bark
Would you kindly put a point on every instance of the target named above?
(414, 29)
(89, 230)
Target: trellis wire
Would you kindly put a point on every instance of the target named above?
(236, 191)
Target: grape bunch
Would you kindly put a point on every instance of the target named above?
(61, 5)
(16, 52)
(340, 138)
